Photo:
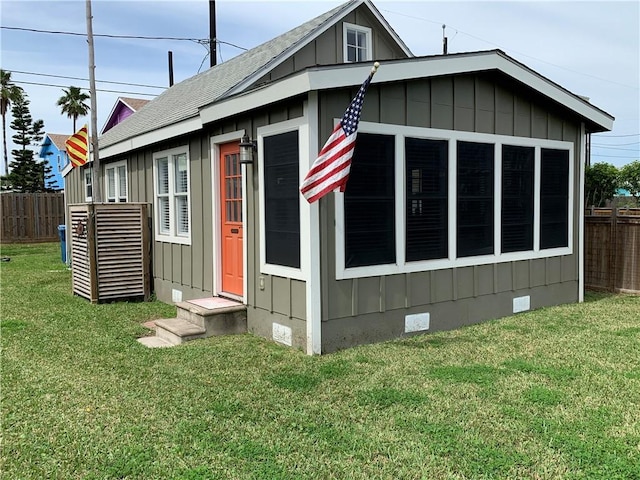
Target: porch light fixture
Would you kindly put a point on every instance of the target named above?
(247, 147)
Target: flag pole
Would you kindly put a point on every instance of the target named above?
(94, 110)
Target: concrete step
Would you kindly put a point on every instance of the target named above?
(154, 342)
(178, 330)
(221, 318)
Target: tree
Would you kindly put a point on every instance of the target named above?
(601, 183)
(72, 103)
(10, 94)
(27, 174)
(630, 179)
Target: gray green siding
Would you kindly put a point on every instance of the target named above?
(327, 49)
(371, 309)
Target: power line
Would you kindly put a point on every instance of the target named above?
(616, 144)
(136, 37)
(202, 41)
(608, 147)
(620, 136)
(86, 80)
(82, 88)
(612, 156)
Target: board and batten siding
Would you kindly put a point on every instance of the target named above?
(369, 309)
(270, 298)
(328, 48)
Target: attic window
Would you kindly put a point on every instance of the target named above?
(357, 43)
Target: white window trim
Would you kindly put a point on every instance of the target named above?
(401, 266)
(299, 124)
(88, 171)
(114, 166)
(172, 237)
(358, 28)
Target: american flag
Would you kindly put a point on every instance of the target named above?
(330, 171)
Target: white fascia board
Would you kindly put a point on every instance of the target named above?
(162, 134)
(68, 167)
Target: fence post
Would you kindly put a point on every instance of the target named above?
(613, 250)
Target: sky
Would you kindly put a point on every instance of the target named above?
(591, 48)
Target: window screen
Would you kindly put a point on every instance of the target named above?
(427, 191)
(369, 203)
(282, 199)
(475, 199)
(554, 198)
(517, 198)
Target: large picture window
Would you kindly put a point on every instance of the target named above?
(426, 193)
(554, 198)
(423, 199)
(369, 203)
(475, 182)
(172, 213)
(517, 198)
(281, 197)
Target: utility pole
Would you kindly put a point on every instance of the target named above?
(94, 109)
(213, 52)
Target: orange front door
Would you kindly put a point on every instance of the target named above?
(231, 216)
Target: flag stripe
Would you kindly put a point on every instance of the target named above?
(78, 147)
(330, 171)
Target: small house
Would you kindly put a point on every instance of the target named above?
(123, 109)
(54, 152)
(463, 203)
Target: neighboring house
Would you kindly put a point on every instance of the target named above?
(54, 152)
(123, 109)
(463, 204)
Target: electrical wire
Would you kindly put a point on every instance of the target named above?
(85, 79)
(134, 37)
(82, 88)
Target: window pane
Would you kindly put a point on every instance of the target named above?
(427, 193)
(122, 183)
(475, 199)
(111, 184)
(164, 219)
(369, 203)
(517, 198)
(554, 198)
(182, 181)
(163, 175)
(182, 215)
(282, 199)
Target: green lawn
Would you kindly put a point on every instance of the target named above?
(553, 393)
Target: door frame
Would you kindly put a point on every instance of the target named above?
(216, 220)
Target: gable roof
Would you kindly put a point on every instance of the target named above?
(183, 101)
(123, 103)
(55, 139)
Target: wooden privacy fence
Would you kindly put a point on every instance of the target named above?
(31, 217)
(612, 250)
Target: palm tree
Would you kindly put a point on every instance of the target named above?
(10, 94)
(72, 103)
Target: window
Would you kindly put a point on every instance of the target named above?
(423, 199)
(427, 193)
(475, 199)
(116, 182)
(281, 199)
(369, 203)
(554, 198)
(357, 43)
(517, 198)
(171, 178)
(88, 183)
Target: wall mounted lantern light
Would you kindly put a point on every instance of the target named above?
(247, 147)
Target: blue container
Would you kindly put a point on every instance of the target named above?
(62, 233)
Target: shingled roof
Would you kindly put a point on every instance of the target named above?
(182, 101)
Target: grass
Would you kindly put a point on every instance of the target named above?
(553, 393)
